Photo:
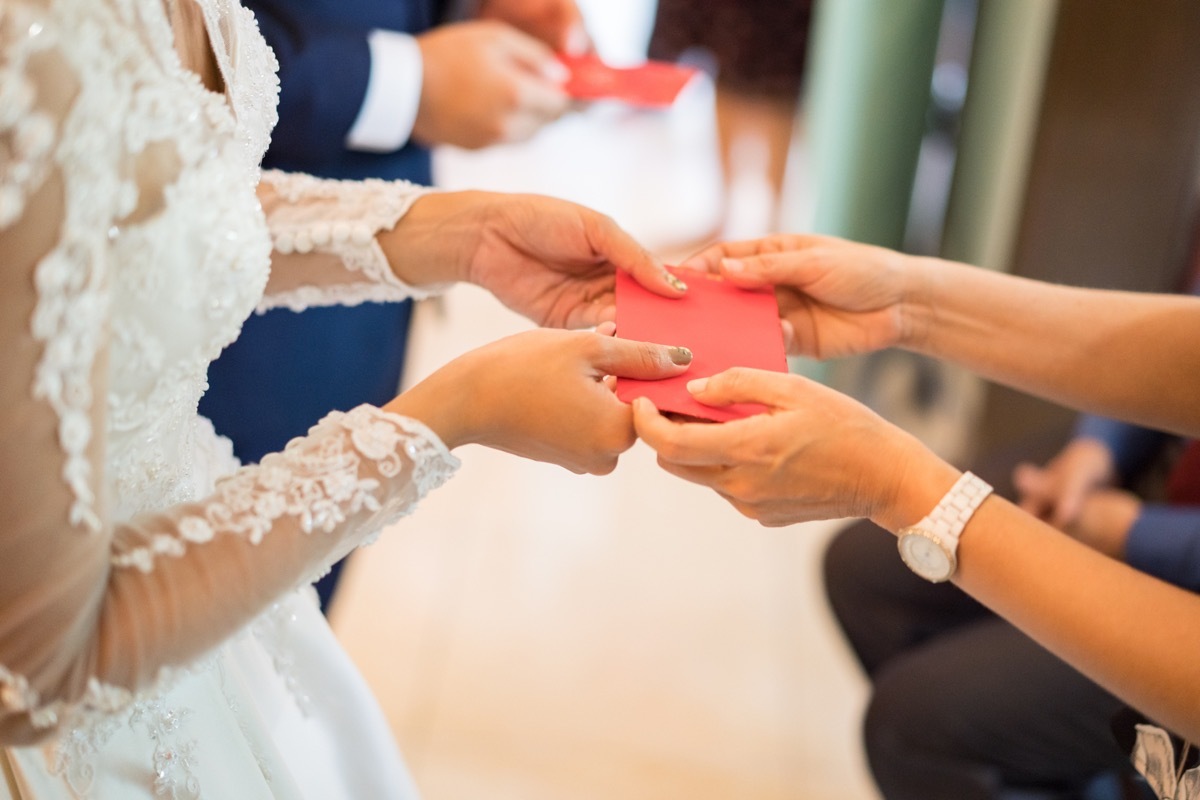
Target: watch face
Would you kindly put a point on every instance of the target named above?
(926, 556)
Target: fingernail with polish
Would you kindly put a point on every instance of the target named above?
(679, 355)
(676, 283)
(697, 386)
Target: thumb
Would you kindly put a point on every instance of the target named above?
(1069, 503)
(533, 56)
(641, 360)
(791, 269)
(609, 240)
(745, 385)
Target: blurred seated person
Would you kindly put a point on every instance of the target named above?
(1013, 716)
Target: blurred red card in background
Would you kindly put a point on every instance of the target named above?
(722, 325)
(654, 84)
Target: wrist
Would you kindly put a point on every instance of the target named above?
(920, 277)
(917, 480)
(424, 127)
(930, 546)
(436, 240)
(441, 403)
(458, 401)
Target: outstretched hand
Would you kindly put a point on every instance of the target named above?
(815, 454)
(543, 394)
(552, 261)
(836, 297)
(555, 262)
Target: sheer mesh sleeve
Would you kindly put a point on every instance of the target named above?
(92, 608)
(323, 232)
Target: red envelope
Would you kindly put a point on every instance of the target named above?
(722, 325)
(654, 84)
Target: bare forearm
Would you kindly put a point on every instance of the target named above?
(1124, 629)
(1130, 355)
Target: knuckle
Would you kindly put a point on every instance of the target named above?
(624, 439)
(616, 437)
(508, 97)
(775, 518)
(732, 380)
(652, 357)
(759, 451)
(745, 490)
(605, 466)
(669, 449)
(593, 348)
(494, 129)
(746, 510)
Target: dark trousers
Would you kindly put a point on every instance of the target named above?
(963, 705)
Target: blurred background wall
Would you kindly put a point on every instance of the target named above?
(1056, 139)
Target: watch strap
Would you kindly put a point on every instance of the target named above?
(952, 512)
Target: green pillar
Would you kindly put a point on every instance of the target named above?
(1008, 67)
(866, 98)
(868, 93)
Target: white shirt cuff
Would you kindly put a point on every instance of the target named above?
(389, 109)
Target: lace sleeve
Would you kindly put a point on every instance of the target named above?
(324, 236)
(96, 606)
(27, 129)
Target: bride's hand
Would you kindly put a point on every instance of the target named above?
(542, 395)
(550, 260)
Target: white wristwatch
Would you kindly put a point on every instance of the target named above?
(930, 547)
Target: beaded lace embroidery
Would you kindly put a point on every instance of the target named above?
(144, 286)
(361, 209)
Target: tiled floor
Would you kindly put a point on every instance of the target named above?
(538, 635)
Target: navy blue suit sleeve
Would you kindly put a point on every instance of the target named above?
(323, 72)
(1165, 542)
(1132, 446)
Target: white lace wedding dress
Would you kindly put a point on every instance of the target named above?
(153, 641)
